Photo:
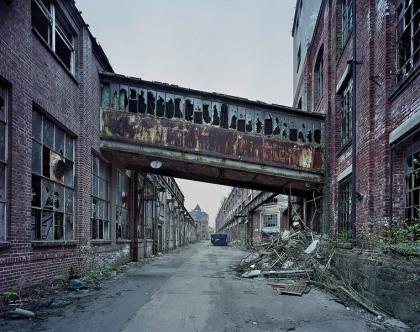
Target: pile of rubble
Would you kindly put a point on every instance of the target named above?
(293, 258)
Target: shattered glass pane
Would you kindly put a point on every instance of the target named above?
(207, 115)
(94, 208)
(69, 174)
(115, 96)
(48, 133)
(105, 95)
(68, 227)
(37, 126)
(69, 201)
(36, 157)
(132, 103)
(36, 191)
(123, 98)
(198, 111)
(69, 147)
(233, 116)
(142, 97)
(151, 102)
(94, 229)
(160, 104)
(58, 198)
(189, 109)
(47, 225)
(179, 107)
(215, 110)
(268, 123)
(47, 194)
(100, 229)
(224, 116)
(170, 106)
(59, 141)
(58, 226)
(241, 119)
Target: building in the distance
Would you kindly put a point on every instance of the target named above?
(202, 219)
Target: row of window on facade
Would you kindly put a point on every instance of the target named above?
(51, 25)
(199, 111)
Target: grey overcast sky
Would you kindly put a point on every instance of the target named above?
(236, 47)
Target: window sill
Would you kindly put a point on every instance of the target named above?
(120, 241)
(54, 243)
(100, 242)
(43, 42)
(343, 149)
(401, 85)
(5, 245)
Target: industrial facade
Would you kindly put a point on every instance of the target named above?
(202, 219)
(58, 190)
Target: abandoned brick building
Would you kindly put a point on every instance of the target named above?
(58, 190)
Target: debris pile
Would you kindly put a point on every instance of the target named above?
(295, 260)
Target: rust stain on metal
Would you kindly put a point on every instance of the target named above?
(207, 140)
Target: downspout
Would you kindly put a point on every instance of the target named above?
(353, 125)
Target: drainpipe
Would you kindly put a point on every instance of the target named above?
(354, 136)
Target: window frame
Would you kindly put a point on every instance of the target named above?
(4, 92)
(63, 187)
(121, 206)
(106, 178)
(319, 77)
(346, 21)
(344, 192)
(346, 111)
(277, 221)
(404, 67)
(410, 187)
(56, 27)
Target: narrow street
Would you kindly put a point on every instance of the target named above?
(194, 289)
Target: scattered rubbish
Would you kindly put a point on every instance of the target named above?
(312, 247)
(75, 284)
(396, 324)
(294, 290)
(19, 312)
(251, 274)
(252, 266)
(347, 308)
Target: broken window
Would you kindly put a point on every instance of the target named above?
(105, 95)
(132, 100)
(189, 109)
(53, 28)
(52, 180)
(151, 102)
(319, 77)
(233, 116)
(160, 104)
(270, 220)
(215, 109)
(170, 106)
(249, 118)
(179, 107)
(142, 98)
(100, 217)
(207, 116)
(241, 119)
(408, 36)
(258, 122)
(344, 208)
(268, 124)
(3, 161)
(224, 116)
(346, 113)
(123, 98)
(121, 206)
(346, 20)
(198, 111)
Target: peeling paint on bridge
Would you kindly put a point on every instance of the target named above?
(242, 142)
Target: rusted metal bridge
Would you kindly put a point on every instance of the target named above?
(211, 137)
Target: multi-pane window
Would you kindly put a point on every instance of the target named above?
(52, 180)
(412, 173)
(149, 208)
(408, 36)
(3, 161)
(319, 77)
(344, 208)
(121, 205)
(346, 113)
(346, 20)
(53, 28)
(270, 220)
(100, 217)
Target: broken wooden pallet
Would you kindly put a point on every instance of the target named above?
(293, 290)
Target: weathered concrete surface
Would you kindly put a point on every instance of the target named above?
(196, 290)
